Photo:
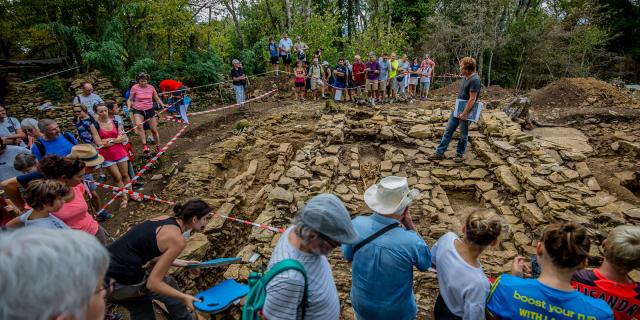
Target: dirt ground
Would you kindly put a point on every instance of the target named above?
(264, 163)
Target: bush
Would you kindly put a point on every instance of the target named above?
(53, 89)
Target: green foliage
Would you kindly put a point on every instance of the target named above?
(53, 89)
(202, 68)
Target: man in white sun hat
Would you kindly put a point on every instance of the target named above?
(387, 249)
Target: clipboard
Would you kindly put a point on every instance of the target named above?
(213, 263)
(474, 113)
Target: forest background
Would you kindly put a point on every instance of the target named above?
(519, 44)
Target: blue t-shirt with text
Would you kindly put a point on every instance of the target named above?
(512, 297)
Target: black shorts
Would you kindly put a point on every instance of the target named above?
(275, 60)
(286, 60)
(147, 114)
(299, 84)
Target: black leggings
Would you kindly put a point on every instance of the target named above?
(442, 312)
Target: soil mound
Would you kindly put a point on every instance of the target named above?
(490, 92)
(579, 93)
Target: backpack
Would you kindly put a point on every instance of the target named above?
(38, 143)
(258, 288)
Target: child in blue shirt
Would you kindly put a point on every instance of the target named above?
(563, 250)
(44, 196)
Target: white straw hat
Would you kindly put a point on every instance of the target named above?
(390, 195)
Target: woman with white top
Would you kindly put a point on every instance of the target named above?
(463, 284)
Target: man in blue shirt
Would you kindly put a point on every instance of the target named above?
(385, 254)
(54, 141)
(383, 81)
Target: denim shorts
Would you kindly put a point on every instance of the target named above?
(107, 164)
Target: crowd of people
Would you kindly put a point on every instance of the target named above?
(383, 78)
(52, 241)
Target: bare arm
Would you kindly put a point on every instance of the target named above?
(130, 101)
(467, 108)
(157, 99)
(14, 138)
(171, 243)
(96, 136)
(12, 188)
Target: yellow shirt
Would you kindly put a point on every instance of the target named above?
(394, 69)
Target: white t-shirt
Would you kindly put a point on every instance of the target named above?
(284, 292)
(464, 288)
(285, 46)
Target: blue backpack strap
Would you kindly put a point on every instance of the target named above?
(69, 137)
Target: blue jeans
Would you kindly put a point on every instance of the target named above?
(239, 90)
(452, 125)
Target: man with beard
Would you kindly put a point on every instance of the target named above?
(322, 225)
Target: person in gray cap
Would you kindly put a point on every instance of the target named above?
(320, 227)
(385, 253)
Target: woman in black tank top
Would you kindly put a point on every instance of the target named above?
(159, 241)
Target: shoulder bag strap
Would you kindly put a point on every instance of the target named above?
(289, 264)
(375, 235)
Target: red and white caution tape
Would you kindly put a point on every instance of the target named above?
(157, 115)
(131, 192)
(226, 107)
(145, 167)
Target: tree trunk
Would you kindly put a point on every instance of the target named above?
(170, 44)
(274, 22)
(209, 30)
(234, 16)
(307, 12)
(489, 71)
(287, 9)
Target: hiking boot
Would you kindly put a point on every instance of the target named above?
(458, 159)
(145, 149)
(436, 156)
(104, 216)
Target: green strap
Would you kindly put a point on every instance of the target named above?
(284, 265)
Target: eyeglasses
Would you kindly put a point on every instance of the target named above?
(329, 241)
(108, 285)
(77, 111)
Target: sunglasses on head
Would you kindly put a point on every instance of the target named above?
(329, 241)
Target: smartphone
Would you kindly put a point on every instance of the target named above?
(535, 267)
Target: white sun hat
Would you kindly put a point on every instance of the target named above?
(390, 195)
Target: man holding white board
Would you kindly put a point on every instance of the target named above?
(469, 92)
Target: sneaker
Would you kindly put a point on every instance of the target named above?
(436, 156)
(138, 184)
(102, 178)
(150, 140)
(104, 216)
(145, 148)
(458, 159)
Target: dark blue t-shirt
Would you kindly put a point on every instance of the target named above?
(512, 297)
(342, 69)
(414, 68)
(469, 84)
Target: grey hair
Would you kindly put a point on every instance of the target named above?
(47, 272)
(29, 122)
(44, 123)
(235, 61)
(303, 231)
(24, 161)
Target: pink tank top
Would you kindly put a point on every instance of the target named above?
(114, 152)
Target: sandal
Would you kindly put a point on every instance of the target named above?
(124, 202)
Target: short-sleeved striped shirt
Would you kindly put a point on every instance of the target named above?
(284, 292)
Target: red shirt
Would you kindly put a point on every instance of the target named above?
(170, 85)
(624, 299)
(358, 71)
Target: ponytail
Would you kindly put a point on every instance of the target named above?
(567, 244)
(192, 208)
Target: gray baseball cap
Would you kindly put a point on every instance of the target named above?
(326, 214)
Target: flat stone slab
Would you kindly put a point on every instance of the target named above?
(570, 138)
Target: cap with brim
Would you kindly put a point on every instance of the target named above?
(87, 153)
(390, 195)
(326, 214)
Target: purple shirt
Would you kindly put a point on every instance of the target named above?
(373, 66)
